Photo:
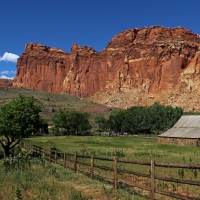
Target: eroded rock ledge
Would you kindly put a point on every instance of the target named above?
(6, 83)
(138, 67)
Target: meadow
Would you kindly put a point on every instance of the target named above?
(56, 182)
(46, 181)
(127, 147)
(130, 148)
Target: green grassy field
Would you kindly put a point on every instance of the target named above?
(53, 182)
(133, 147)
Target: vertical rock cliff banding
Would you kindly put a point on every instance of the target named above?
(138, 67)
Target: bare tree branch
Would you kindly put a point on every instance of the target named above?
(18, 141)
(2, 144)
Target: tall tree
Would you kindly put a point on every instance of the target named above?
(60, 119)
(73, 121)
(101, 121)
(116, 121)
(18, 119)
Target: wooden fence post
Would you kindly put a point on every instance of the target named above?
(152, 180)
(50, 155)
(43, 154)
(75, 162)
(55, 156)
(91, 166)
(115, 173)
(36, 150)
(40, 150)
(64, 160)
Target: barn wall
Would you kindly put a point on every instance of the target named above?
(178, 141)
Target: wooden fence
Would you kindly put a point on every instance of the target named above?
(89, 165)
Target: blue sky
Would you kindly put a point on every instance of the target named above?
(60, 23)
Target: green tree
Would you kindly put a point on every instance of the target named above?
(78, 122)
(116, 121)
(60, 119)
(72, 121)
(101, 121)
(163, 117)
(18, 119)
(157, 121)
(134, 118)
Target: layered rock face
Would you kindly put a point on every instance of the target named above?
(6, 82)
(138, 67)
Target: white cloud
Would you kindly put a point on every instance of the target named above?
(6, 77)
(7, 72)
(9, 57)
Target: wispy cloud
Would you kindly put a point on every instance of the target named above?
(7, 72)
(9, 57)
(6, 77)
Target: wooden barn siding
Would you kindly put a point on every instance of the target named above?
(178, 141)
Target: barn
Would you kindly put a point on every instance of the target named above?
(186, 132)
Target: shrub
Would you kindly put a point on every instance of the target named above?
(21, 161)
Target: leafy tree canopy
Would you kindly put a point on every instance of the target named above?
(101, 121)
(18, 119)
(73, 121)
(138, 119)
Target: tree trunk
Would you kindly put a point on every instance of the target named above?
(7, 151)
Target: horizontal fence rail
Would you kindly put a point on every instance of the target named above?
(87, 164)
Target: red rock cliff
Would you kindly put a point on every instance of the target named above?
(138, 67)
(6, 82)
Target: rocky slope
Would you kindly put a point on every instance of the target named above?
(138, 67)
(6, 83)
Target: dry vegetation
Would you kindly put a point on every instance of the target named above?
(51, 101)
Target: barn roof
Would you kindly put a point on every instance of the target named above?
(188, 126)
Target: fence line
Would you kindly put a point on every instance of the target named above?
(62, 158)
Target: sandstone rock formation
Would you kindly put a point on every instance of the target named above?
(138, 67)
(6, 82)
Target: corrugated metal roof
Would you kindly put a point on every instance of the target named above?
(188, 121)
(188, 126)
(182, 133)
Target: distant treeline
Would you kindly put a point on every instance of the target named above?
(152, 119)
(135, 120)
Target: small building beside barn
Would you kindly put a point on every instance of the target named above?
(186, 132)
